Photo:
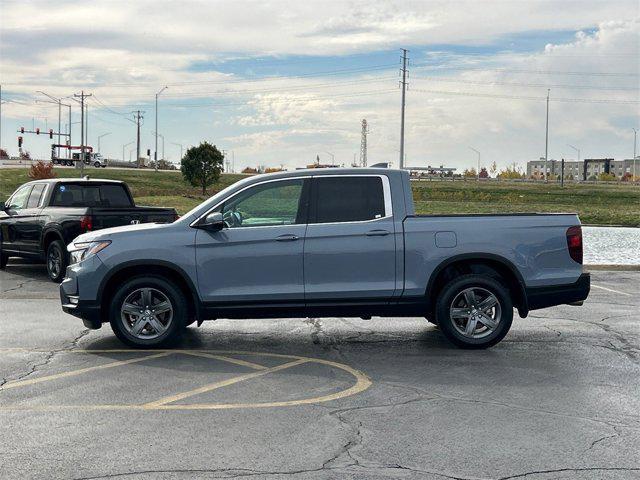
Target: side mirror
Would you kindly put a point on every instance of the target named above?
(212, 222)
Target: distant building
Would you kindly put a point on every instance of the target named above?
(581, 170)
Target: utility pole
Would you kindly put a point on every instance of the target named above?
(363, 143)
(1, 117)
(82, 96)
(138, 117)
(546, 142)
(403, 84)
(635, 138)
(478, 171)
(155, 151)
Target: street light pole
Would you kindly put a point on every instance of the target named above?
(99, 137)
(478, 172)
(333, 157)
(155, 151)
(123, 148)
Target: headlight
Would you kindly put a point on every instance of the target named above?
(82, 250)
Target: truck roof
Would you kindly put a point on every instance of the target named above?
(74, 180)
(328, 171)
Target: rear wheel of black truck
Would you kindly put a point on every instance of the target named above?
(474, 311)
(148, 311)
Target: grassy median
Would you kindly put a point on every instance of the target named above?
(596, 204)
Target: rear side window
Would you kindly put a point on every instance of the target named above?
(36, 193)
(348, 199)
(86, 195)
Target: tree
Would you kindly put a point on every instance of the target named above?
(3, 153)
(41, 170)
(201, 166)
(470, 172)
(483, 173)
(249, 170)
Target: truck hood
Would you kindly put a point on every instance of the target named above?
(125, 230)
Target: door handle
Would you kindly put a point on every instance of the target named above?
(287, 238)
(377, 233)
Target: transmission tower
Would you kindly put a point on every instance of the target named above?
(363, 143)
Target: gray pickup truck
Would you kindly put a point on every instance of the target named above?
(335, 242)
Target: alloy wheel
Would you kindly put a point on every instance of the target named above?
(146, 313)
(475, 312)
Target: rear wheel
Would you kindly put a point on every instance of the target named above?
(4, 258)
(148, 311)
(474, 311)
(56, 261)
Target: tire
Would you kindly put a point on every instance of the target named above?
(461, 301)
(57, 261)
(96, 164)
(3, 259)
(128, 312)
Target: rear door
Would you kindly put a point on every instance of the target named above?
(349, 250)
(29, 225)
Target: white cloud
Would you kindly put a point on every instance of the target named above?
(108, 47)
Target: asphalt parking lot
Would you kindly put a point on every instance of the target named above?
(321, 398)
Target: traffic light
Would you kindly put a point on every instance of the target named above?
(148, 152)
(37, 131)
(21, 129)
(19, 142)
(51, 133)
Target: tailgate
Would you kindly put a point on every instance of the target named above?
(116, 217)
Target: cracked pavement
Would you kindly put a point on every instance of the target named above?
(558, 398)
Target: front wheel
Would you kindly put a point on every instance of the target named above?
(148, 311)
(56, 261)
(474, 311)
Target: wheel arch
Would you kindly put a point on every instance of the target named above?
(161, 268)
(480, 263)
(48, 236)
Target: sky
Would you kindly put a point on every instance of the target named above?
(280, 83)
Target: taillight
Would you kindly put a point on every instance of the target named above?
(574, 242)
(86, 223)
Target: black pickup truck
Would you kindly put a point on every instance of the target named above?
(42, 217)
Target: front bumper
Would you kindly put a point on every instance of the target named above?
(78, 294)
(572, 293)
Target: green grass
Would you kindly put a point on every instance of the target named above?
(596, 204)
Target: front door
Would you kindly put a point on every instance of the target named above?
(14, 210)
(350, 250)
(258, 257)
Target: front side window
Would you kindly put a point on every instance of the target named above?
(19, 199)
(269, 204)
(348, 199)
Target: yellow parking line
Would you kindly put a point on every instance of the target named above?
(223, 383)
(235, 361)
(31, 381)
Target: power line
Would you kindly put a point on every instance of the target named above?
(521, 84)
(541, 72)
(247, 102)
(525, 97)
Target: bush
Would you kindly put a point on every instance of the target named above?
(41, 170)
(607, 177)
(3, 153)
